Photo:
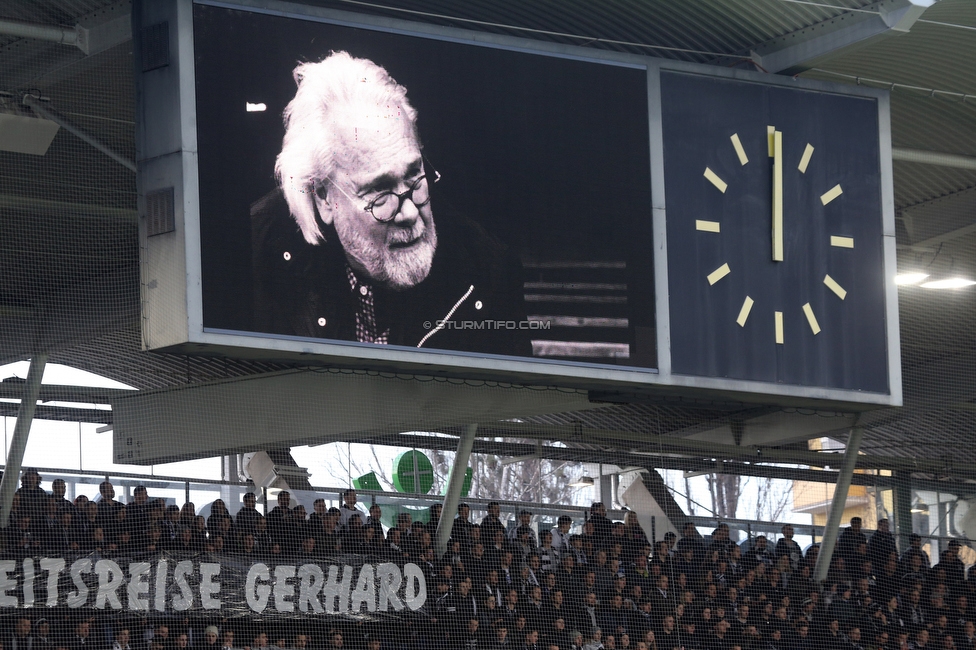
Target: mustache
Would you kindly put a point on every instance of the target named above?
(406, 236)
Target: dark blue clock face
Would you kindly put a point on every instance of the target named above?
(816, 318)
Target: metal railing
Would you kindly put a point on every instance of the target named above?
(202, 492)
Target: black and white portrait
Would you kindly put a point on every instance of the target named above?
(369, 265)
(378, 188)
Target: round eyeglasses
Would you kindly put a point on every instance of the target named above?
(385, 206)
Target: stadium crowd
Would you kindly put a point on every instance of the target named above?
(500, 587)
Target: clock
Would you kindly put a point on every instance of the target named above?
(774, 233)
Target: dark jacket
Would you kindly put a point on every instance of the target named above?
(306, 293)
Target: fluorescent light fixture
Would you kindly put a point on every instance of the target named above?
(910, 278)
(948, 283)
(923, 3)
(255, 108)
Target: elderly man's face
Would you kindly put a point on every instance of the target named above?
(381, 156)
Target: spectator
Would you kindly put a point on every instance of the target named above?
(108, 507)
(850, 539)
(43, 640)
(691, 540)
(758, 553)
(375, 518)
(50, 531)
(80, 639)
(170, 526)
(560, 534)
(435, 518)
(21, 639)
(137, 512)
(31, 496)
(348, 509)
(787, 547)
(547, 554)
(882, 545)
(218, 514)
(246, 518)
(469, 638)
(595, 641)
(210, 637)
(501, 638)
(279, 516)
(58, 490)
(188, 513)
(601, 525)
(491, 523)
(722, 543)
(523, 525)
(462, 526)
(576, 642)
(122, 640)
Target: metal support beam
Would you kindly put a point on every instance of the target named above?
(618, 438)
(22, 29)
(606, 489)
(15, 458)
(45, 112)
(104, 28)
(454, 484)
(60, 208)
(680, 461)
(934, 242)
(839, 502)
(799, 50)
(903, 509)
(934, 158)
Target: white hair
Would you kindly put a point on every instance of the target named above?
(314, 122)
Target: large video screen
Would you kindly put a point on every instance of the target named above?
(378, 188)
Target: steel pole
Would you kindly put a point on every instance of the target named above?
(454, 484)
(839, 502)
(18, 444)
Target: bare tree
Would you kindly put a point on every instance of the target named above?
(725, 490)
(534, 480)
(773, 499)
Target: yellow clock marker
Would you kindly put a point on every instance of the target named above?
(831, 194)
(811, 318)
(805, 158)
(707, 226)
(779, 327)
(836, 288)
(778, 196)
(715, 180)
(841, 242)
(739, 151)
(770, 130)
(719, 273)
(744, 312)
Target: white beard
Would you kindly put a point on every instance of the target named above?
(395, 268)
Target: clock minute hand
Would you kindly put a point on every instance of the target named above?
(776, 142)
